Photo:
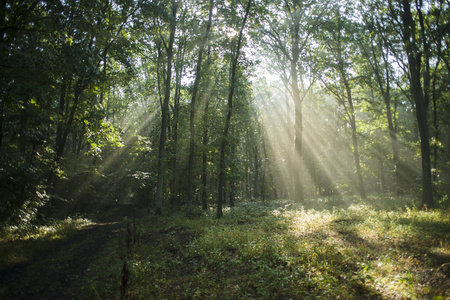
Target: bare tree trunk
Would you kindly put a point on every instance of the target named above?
(165, 112)
(174, 195)
(414, 65)
(192, 112)
(223, 143)
(385, 93)
(298, 118)
(256, 174)
(361, 189)
(204, 163)
(435, 124)
(350, 112)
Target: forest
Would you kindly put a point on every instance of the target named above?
(255, 149)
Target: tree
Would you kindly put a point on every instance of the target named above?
(232, 87)
(165, 107)
(289, 41)
(416, 47)
(198, 74)
(335, 38)
(375, 50)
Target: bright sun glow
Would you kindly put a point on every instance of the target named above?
(326, 160)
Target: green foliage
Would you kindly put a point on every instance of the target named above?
(101, 134)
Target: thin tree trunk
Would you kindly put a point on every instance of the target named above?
(164, 113)
(256, 176)
(176, 108)
(204, 170)
(351, 114)
(246, 168)
(62, 141)
(264, 172)
(298, 118)
(232, 194)
(205, 141)
(435, 123)
(361, 189)
(385, 93)
(223, 143)
(62, 104)
(290, 132)
(192, 112)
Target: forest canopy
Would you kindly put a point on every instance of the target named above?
(201, 103)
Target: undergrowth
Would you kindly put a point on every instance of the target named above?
(377, 249)
(327, 248)
(19, 243)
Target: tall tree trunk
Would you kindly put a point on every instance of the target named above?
(174, 195)
(205, 141)
(385, 93)
(414, 56)
(263, 191)
(232, 181)
(165, 113)
(350, 111)
(61, 142)
(246, 167)
(204, 170)
(392, 134)
(352, 119)
(62, 104)
(223, 142)
(298, 118)
(192, 111)
(435, 123)
(63, 129)
(290, 132)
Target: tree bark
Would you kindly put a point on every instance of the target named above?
(192, 111)
(435, 123)
(352, 117)
(414, 56)
(165, 113)
(204, 170)
(174, 195)
(385, 93)
(298, 118)
(256, 173)
(61, 142)
(223, 142)
(350, 111)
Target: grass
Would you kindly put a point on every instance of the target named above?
(379, 248)
(19, 244)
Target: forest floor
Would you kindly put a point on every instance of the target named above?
(329, 248)
(59, 269)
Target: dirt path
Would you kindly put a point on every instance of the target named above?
(59, 272)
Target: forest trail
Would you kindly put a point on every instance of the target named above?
(60, 272)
